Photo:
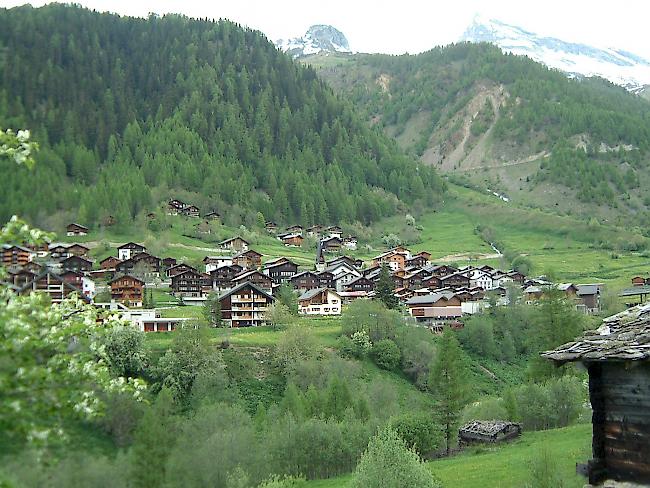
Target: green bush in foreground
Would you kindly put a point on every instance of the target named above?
(388, 463)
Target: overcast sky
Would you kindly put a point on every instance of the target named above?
(412, 26)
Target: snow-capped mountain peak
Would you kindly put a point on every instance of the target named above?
(616, 65)
(317, 39)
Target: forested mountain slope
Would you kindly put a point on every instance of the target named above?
(507, 122)
(130, 111)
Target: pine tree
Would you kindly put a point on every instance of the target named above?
(449, 384)
(212, 310)
(385, 288)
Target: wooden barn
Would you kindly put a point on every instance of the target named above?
(617, 357)
(488, 431)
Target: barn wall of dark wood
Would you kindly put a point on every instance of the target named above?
(620, 397)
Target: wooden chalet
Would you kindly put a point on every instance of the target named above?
(255, 277)
(307, 280)
(189, 284)
(175, 207)
(280, 271)
(129, 250)
(293, 240)
(52, 285)
(456, 280)
(617, 358)
(361, 284)
(639, 281)
(517, 276)
(168, 263)
(589, 297)
(212, 216)
(248, 259)
(393, 259)
(271, 227)
(314, 230)
(58, 251)
(19, 277)
(77, 263)
(16, 255)
(143, 264)
(191, 211)
(327, 279)
(109, 263)
(355, 263)
(76, 230)
(127, 290)
(222, 277)
(80, 281)
(245, 305)
(417, 261)
(440, 270)
(213, 262)
(333, 231)
(488, 432)
(435, 306)
(331, 244)
(350, 243)
(178, 269)
(319, 301)
(78, 250)
(236, 244)
(294, 229)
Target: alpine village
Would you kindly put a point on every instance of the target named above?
(228, 262)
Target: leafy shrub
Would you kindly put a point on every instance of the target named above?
(386, 354)
(419, 431)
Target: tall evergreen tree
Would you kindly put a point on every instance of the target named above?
(386, 288)
(448, 381)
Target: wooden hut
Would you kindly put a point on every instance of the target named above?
(617, 357)
(488, 431)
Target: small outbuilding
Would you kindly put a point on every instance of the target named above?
(617, 357)
(488, 431)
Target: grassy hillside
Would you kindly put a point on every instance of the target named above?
(509, 124)
(506, 466)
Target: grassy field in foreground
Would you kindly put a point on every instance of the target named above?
(506, 466)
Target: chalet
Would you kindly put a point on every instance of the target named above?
(488, 432)
(333, 231)
(533, 293)
(638, 281)
(569, 289)
(127, 290)
(350, 296)
(326, 279)
(295, 229)
(360, 284)
(394, 259)
(245, 305)
(343, 274)
(77, 250)
(222, 277)
(76, 230)
(214, 262)
(399, 280)
(77, 263)
(191, 211)
(175, 207)
(307, 280)
(51, 284)
(350, 243)
(314, 230)
(80, 281)
(456, 280)
(168, 263)
(436, 306)
(144, 320)
(248, 259)
(418, 261)
(293, 240)
(39, 250)
(212, 216)
(589, 297)
(58, 251)
(516, 276)
(280, 271)
(331, 244)
(441, 270)
(234, 244)
(271, 227)
(144, 265)
(109, 263)
(255, 277)
(19, 277)
(617, 358)
(129, 250)
(33, 267)
(319, 301)
(188, 284)
(178, 269)
(479, 278)
(16, 255)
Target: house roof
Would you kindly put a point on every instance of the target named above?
(125, 276)
(298, 275)
(486, 427)
(533, 289)
(309, 294)
(66, 284)
(622, 337)
(635, 290)
(110, 257)
(292, 236)
(207, 258)
(431, 298)
(242, 285)
(130, 245)
(77, 225)
(588, 289)
(226, 241)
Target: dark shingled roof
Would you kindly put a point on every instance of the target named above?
(622, 337)
(486, 427)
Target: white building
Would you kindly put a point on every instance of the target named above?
(319, 301)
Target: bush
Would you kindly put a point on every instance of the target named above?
(418, 431)
(388, 463)
(286, 482)
(386, 354)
